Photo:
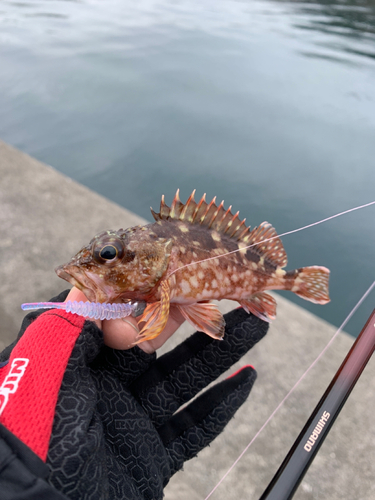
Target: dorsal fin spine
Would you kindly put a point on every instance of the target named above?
(164, 209)
(239, 230)
(202, 200)
(212, 202)
(155, 215)
(187, 205)
(215, 214)
(231, 231)
(176, 199)
(225, 214)
(222, 223)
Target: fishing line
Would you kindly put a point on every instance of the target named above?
(275, 237)
(368, 291)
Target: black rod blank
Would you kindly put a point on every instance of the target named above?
(291, 472)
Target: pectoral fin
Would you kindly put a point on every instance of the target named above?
(155, 316)
(261, 304)
(205, 317)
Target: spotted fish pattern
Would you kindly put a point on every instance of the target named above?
(193, 253)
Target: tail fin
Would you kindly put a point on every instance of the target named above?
(312, 284)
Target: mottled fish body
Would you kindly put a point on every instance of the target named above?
(193, 253)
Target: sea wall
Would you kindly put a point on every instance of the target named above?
(46, 217)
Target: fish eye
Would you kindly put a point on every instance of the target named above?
(107, 249)
(109, 252)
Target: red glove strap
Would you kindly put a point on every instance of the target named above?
(30, 382)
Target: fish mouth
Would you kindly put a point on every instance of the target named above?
(78, 278)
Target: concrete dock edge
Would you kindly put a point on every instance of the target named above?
(46, 217)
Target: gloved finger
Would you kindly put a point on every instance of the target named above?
(125, 365)
(193, 428)
(176, 377)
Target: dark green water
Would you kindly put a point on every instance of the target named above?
(268, 105)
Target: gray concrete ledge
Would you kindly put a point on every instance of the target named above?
(45, 217)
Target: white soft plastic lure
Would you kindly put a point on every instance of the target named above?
(93, 310)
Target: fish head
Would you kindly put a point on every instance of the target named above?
(118, 265)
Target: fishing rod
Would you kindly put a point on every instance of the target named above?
(291, 472)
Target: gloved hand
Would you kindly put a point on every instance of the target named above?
(103, 420)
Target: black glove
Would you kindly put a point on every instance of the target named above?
(116, 433)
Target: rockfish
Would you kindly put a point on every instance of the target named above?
(193, 253)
